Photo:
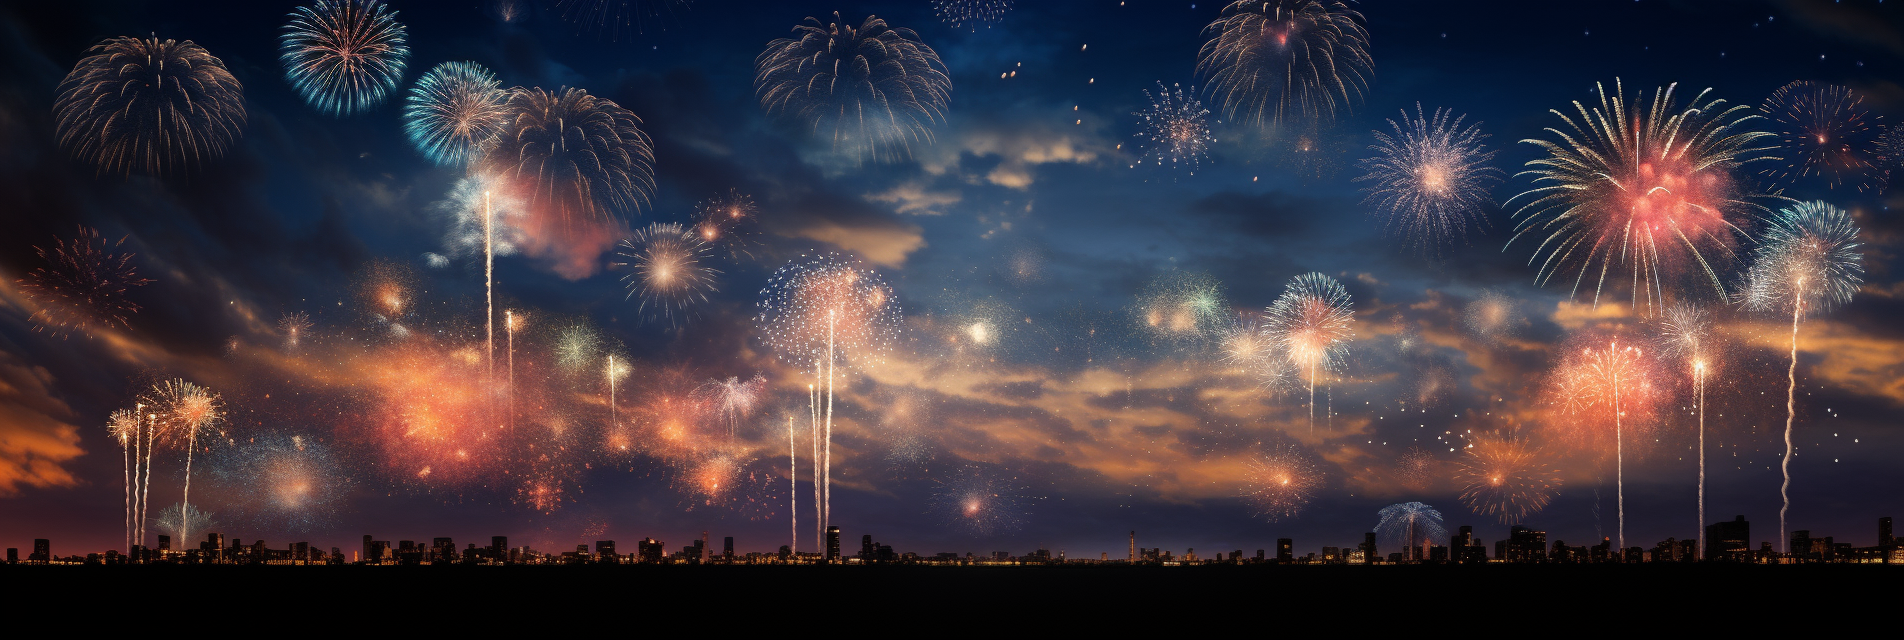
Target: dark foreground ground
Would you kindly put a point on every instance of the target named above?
(940, 601)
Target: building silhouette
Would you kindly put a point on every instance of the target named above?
(832, 545)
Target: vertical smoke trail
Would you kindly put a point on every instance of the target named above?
(1700, 371)
(489, 283)
(793, 488)
(1791, 413)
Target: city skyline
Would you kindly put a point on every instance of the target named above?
(1079, 274)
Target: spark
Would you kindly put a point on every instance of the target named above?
(1271, 61)
(1174, 129)
(148, 105)
(344, 56)
(82, 287)
(1431, 179)
(870, 92)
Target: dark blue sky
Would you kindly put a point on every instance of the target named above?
(1028, 172)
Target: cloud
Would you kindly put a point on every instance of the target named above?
(882, 245)
(36, 437)
(1006, 152)
(913, 198)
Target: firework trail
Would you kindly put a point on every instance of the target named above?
(343, 56)
(981, 501)
(454, 113)
(1280, 482)
(1506, 477)
(1310, 323)
(734, 399)
(294, 326)
(870, 91)
(126, 426)
(511, 323)
(971, 13)
(1270, 61)
(1824, 130)
(1174, 128)
(821, 311)
(148, 105)
(1431, 178)
(183, 411)
(283, 482)
(1685, 332)
(616, 17)
(1411, 525)
(793, 488)
(572, 157)
(728, 221)
(182, 520)
(1808, 261)
(1597, 385)
(670, 271)
(613, 372)
(1645, 184)
(83, 286)
(1416, 468)
(1493, 315)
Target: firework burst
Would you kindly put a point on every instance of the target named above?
(148, 105)
(1416, 468)
(1506, 478)
(182, 520)
(1606, 384)
(344, 56)
(181, 412)
(615, 18)
(1809, 261)
(971, 13)
(1685, 332)
(294, 327)
(728, 221)
(1183, 307)
(1413, 526)
(819, 312)
(1824, 130)
(670, 271)
(1279, 483)
(1493, 315)
(82, 288)
(1650, 186)
(1269, 61)
(288, 483)
(128, 427)
(1890, 155)
(871, 91)
(982, 501)
(1174, 129)
(734, 399)
(1311, 325)
(454, 113)
(1431, 179)
(572, 155)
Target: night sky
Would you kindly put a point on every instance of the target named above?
(1024, 210)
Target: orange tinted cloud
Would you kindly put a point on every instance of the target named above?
(36, 439)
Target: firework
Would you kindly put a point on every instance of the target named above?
(83, 286)
(128, 426)
(820, 312)
(670, 271)
(576, 156)
(1647, 185)
(1431, 178)
(734, 399)
(182, 520)
(971, 13)
(454, 113)
(982, 501)
(1506, 478)
(1493, 315)
(1412, 526)
(1808, 261)
(871, 91)
(387, 292)
(148, 105)
(1248, 349)
(1174, 129)
(575, 346)
(1269, 61)
(1280, 482)
(1310, 324)
(727, 221)
(1890, 155)
(1183, 307)
(181, 412)
(614, 18)
(1685, 332)
(294, 326)
(344, 56)
(1824, 130)
(284, 482)
(1600, 386)
(1416, 467)
(905, 414)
